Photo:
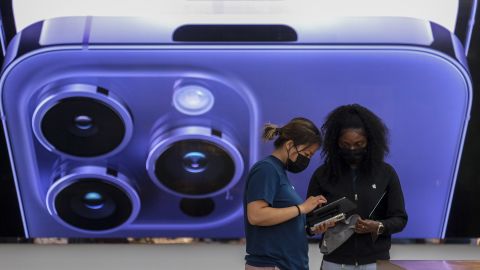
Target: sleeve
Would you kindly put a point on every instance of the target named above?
(262, 184)
(314, 187)
(396, 215)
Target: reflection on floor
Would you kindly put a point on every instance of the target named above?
(427, 265)
(184, 253)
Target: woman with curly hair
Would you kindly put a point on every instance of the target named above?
(355, 144)
(274, 212)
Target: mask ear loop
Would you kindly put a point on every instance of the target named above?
(296, 149)
(288, 155)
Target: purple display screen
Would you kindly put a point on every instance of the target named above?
(115, 132)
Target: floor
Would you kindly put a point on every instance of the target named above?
(183, 256)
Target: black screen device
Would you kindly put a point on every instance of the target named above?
(334, 211)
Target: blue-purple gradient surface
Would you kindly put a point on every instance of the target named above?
(409, 72)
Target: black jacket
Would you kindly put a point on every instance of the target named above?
(360, 248)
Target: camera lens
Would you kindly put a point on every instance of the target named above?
(83, 127)
(93, 200)
(193, 176)
(195, 162)
(82, 122)
(192, 162)
(93, 203)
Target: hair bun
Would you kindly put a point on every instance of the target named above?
(270, 131)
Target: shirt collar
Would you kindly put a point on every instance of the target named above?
(277, 161)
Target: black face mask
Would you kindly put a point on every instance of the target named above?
(353, 156)
(298, 165)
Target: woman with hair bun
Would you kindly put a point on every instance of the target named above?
(274, 212)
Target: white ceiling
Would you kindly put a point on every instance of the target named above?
(230, 11)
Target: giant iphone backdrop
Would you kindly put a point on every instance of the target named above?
(125, 127)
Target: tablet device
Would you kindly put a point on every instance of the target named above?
(334, 211)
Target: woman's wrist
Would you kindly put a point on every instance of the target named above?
(380, 228)
(299, 210)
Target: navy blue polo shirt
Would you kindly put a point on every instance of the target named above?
(283, 245)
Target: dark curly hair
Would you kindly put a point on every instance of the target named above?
(357, 117)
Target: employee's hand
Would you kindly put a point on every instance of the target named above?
(366, 226)
(323, 227)
(311, 203)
